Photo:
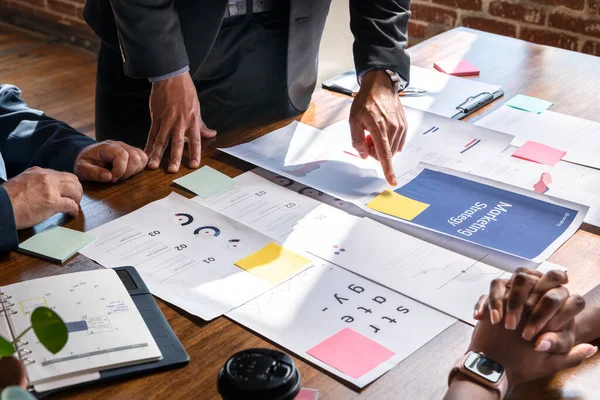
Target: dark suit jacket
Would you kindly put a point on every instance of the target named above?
(157, 37)
(29, 138)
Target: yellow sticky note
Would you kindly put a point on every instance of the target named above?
(273, 263)
(394, 204)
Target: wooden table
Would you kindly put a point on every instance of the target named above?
(570, 79)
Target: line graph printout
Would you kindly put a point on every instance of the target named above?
(579, 137)
(324, 159)
(440, 278)
(185, 253)
(99, 336)
(321, 302)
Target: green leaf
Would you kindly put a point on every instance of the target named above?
(16, 393)
(49, 328)
(6, 348)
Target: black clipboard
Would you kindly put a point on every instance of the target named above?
(173, 352)
(474, 103)
(466, 108)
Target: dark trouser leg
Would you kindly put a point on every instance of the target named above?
(121, 102)
(243, 82)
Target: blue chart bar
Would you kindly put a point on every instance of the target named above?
(77, 326)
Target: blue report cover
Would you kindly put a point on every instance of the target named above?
(487, 215)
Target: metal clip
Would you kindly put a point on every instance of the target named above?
(474, 102)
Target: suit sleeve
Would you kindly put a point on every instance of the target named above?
(380, 35)
(150, 37)
(8, 230)
(30, 138)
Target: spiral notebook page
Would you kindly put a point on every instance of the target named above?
(105, 327)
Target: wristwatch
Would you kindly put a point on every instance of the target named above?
(399, 83)
(478, 367)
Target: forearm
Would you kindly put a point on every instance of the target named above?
(380, 33)
(588, 321)
(463, 388)
(8, 229)
(150, 37)
(30, 138)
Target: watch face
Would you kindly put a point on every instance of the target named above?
(484, 367)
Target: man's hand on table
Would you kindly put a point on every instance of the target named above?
(94, 161)
(38, 193)
(175, 113)
(377, 109)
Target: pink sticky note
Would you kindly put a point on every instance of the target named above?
(351, 353)
(539, 153)
(456, 67)
(307, 394)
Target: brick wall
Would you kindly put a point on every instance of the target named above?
(61, 18)
(569, 24)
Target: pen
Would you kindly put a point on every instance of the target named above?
(409, 91)
(339, 89)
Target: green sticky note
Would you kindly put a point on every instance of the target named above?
(205, 182)
(528, 103)
(56, 243)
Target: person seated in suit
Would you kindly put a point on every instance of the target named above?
(44, 160)
(241, 62)
(545, 330)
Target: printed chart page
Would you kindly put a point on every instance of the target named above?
(273, 210)
(489, 213)
(326, 160)
(580, 138)
(440, 278)
(345, 324)
(105, 327)
(192, 257)
(564, 180)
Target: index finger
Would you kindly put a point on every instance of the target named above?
(384, 153)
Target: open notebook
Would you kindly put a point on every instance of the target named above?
(105, 327)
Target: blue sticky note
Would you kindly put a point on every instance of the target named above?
(528, 103)
(205, 182)
(56, 243)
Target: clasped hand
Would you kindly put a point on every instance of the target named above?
(538, 337)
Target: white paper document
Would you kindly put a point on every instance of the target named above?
(185, 253)
(440, 278)
(106, 330)
(271, 209)
(580, 138)
(444, 93)
(497, 259)
(326, 160)
(308, 312)
(564, 180)
(491, 214)
(368, 248)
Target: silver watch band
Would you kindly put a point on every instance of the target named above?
(399, 83)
